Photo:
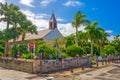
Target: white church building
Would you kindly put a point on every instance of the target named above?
(47, 35)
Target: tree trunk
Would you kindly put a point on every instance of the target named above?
(91, 53)
(100, 47)
(23, 37)
(76, 36)
(14, 40)
(82, 44)
(91, 47)
(7, 25)
(6, 49)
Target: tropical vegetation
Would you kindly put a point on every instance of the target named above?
(93, 41)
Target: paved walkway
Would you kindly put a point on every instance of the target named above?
(109, 72)
(6, 74)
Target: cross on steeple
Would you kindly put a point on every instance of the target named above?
(52, 21)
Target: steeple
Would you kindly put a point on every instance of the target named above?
(52, 22)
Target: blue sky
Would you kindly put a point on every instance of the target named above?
(106, 12)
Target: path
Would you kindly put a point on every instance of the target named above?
(110, 72)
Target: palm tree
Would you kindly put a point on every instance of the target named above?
(116, 43)
(82, 38)
(102, 38)
(93, 33)
(79, 19)
(70, 40)
(26, 26)
(7, 10)
(16, 18)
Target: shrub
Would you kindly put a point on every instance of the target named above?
(22, 48)
(86, 49)
(70, 40)
(108, 49)
(64, 55)
(74, 50)
(1, 49)
(1, 54)
(47, 51)
(13, 51)
(27, 55)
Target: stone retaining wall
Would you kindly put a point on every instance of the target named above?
(17, 64)
(57, 65)
(34, 66)
(44, 66)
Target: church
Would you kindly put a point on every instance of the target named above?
(47, 35)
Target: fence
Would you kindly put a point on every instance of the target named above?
(107, 59)
(17, 64)
(68, 63)
(45, 66)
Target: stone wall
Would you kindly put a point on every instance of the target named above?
(34, 66)
(17, 64)
(57, 65)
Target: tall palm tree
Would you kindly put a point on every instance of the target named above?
(4, 10)
(7, 10)
(102, 38)
(79, 19)
(93, 33)
(16, 18)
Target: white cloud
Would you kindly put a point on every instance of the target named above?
(2, 25)
(67, 29)
(73, 3)
(41, 23)
(111, 38)
(60, 20)
(37, 19)
(46, 2)
(2, 1)
(109, 31)
(27, 2)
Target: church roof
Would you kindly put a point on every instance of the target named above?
(30, 36)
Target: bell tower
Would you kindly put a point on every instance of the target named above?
(52, 22)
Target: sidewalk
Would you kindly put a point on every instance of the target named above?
(78, 73)
(106, 72)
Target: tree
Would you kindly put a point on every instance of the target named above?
(6, 10)
(12, 15)
(11, 33)
(108, 49)
(70, 40)
(102, 38)
(93, 33)
(79, 19)
(74, 50)
(116, 43)
(26, 26)
(82, 38)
